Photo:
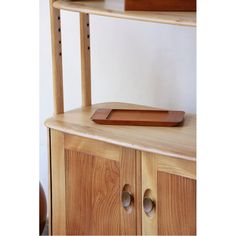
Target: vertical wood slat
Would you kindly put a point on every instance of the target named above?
(127, 177)
(49, 200)
(149, 182)
(58, 183)
(138, 205)
(85, 59)
(57, 59)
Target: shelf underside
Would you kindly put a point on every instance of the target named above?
(178, 142)
(115, 8)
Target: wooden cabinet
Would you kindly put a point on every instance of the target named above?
(98, 188)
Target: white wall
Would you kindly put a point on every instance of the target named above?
(137, 62)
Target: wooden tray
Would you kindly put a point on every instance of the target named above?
(160, 5)
(138, 117)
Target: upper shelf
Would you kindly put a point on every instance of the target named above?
(177, 142)
(115, 8)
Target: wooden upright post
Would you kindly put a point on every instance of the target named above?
(56, 59)
(85, 59)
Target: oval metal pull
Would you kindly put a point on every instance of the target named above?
(148, 205)
(127, 199)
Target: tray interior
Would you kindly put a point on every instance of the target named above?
(145, 115)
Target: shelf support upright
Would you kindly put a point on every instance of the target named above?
(85, 59)
(58, 96)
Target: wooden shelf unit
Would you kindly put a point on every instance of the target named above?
(115, 8)
(91, 166)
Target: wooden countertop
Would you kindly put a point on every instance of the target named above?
(115, 8)
(178, 142)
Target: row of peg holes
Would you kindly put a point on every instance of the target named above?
(59, 30)
(88, 36)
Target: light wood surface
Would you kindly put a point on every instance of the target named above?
(176, 205)
(127, 177)
(149, 176)
(58, 183)
(138, 192)
(56, 59)
(49, 200)
(178, 142)
(115, 8)
(171, 165)
(93, 147)
(85, 59)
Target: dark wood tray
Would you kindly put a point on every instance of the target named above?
(138, 117)
(160, 5)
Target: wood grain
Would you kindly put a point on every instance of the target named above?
(160, 5)
(93, 147)
(176, 205)
(58, 183)
(138, 205)
(185, 168)
(127, 177)
(175, 166)
(149, 182)
(56, 59)
(115, 8)
(85, 59)
(92, 195)
(178, 142)
(49, 200)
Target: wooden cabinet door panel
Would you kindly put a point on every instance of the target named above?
(87, 181)
(92, 194)
(176, 205)
(172, 188)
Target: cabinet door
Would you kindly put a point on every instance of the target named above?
(88, 180)
(169, 196)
